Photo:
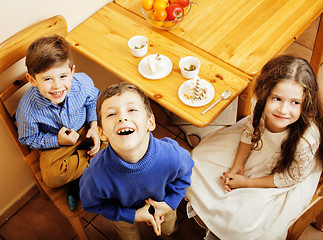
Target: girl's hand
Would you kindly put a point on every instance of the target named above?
(143, 215)
(237, 170)
(232, 180)
(67, 136)
(94, 134)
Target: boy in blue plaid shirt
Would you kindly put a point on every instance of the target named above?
(58, 113)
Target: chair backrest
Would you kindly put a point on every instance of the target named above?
(11, 51)
(14, 49)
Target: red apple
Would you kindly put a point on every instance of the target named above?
(174, 11)
(184, 3)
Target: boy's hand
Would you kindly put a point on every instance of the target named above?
(67, 136)
(161, 208)
(94, 134)
(143, 215)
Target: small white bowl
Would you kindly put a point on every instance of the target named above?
(186, 63)
(138, 45)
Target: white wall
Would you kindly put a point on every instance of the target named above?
(16, 15)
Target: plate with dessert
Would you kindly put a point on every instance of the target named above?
(155, 66)
(196, 92)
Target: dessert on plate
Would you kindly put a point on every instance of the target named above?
(155, 63)
(196, 90)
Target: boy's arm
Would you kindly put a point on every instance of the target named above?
(31, 136)
(176, 190)
(94, 134)
(97, 201)
(92, 94)
(109, 208)
(91, 107)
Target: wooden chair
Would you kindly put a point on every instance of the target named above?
(313, 213)
(11, 51)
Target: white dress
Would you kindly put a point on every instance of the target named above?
(251, 213)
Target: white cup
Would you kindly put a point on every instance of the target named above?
(186, 64)
(138, 45)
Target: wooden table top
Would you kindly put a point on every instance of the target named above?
(242, 33)
(104, 38)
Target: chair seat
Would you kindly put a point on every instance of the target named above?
(314, 212)
(57, 195)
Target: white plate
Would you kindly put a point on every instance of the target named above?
(161, 73)
(197, 103)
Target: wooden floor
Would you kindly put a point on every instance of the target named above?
(38, 219)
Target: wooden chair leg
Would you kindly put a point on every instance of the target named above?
(318, 48)
(319, 216)
(313, 213)
(296, 230)
(41, 190)
(78, 227)
(319, 222)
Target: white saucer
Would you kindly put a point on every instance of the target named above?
(197, 103)
(163, 72)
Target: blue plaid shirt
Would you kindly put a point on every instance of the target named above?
(39, 120)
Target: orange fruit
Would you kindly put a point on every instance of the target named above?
(168, 24)
(154, 23)
(159, 4)
(147, 4)
(160, 14)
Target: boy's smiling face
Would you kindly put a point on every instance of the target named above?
(126, 125)
(54, 83)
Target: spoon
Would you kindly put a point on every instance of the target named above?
(225, 95)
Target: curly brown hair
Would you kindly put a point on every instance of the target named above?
(296, 69)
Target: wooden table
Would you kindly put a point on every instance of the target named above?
(244, 33)
(104, 38)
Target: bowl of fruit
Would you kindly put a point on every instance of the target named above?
(165, 14)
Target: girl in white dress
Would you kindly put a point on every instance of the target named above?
(253, 179)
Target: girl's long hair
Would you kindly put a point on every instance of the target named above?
(296, 69)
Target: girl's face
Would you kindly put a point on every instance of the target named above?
(283, 105)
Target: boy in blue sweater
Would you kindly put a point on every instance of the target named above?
(136, 172)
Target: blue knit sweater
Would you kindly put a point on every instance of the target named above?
(116, 189)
